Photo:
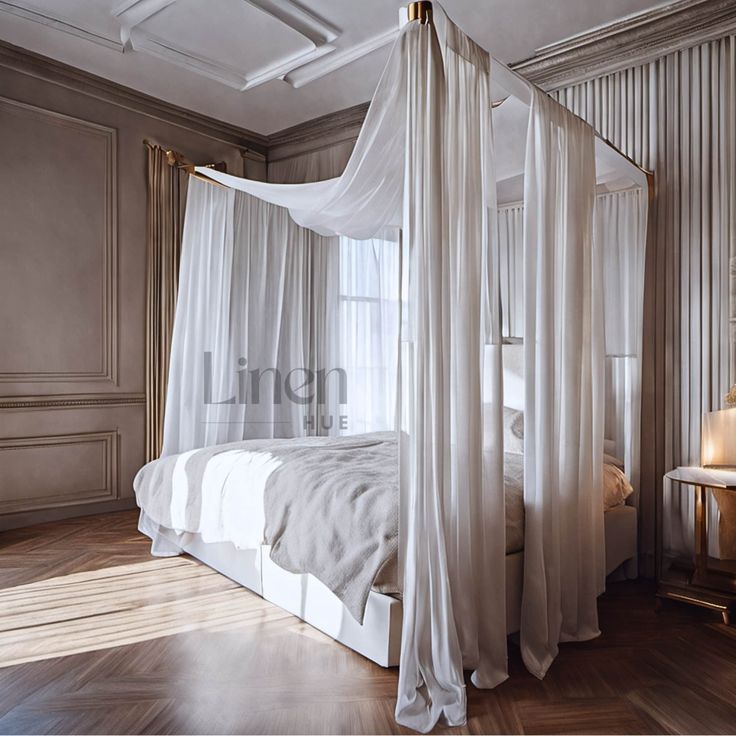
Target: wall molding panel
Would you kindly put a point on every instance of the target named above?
(109, 297)
(634, 40)
(73, 279)
(44, 485)
(71, 401)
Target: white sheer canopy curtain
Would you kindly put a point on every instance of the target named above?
(452, 531)
(564, 566)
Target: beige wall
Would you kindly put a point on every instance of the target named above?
(72, 282)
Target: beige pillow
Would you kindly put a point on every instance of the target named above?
(513, 431)
(616, 487)
(611, 460)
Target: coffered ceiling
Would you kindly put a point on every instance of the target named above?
(266, 65)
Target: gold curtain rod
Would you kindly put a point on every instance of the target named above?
(174, 158)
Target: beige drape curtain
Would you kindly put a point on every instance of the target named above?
(732, 331)
(677, 117)
(166, 198)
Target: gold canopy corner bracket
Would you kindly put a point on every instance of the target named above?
(421, 11)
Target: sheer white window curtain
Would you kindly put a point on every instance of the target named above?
(369, 318)
(252, 303)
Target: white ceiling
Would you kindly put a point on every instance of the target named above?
(266, 65)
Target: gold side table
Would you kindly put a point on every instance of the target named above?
(701, 578)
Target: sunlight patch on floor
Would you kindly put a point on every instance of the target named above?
(100, 609)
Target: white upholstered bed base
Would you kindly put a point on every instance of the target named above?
(379, 637)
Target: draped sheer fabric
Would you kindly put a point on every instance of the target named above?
(620, 239)
(289, 290)
(474, 506)
(367, 198)
(564, 566)
(431, 682)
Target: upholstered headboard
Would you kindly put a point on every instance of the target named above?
(513, 376)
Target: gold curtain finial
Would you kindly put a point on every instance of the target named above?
(421, 11)
(174, 158)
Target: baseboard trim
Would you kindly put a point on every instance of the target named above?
(31, 518)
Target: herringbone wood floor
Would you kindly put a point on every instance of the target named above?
(166, 646)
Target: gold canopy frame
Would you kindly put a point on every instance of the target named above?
(421, 11)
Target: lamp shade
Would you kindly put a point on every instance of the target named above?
(718, 449)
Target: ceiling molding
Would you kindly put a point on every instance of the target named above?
(41, 67)
(319, 59)
(230, 76)
(131, 13)
(58, 23)
(632, 41)
(317, 69)
(317, 30)
(319, 34)
(321, 132)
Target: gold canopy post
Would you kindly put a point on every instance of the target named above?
(421, 11)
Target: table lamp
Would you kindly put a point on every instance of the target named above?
(718, 449)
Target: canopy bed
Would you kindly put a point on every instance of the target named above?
(348, 431)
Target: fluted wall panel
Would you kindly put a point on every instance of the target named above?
(676, 116)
